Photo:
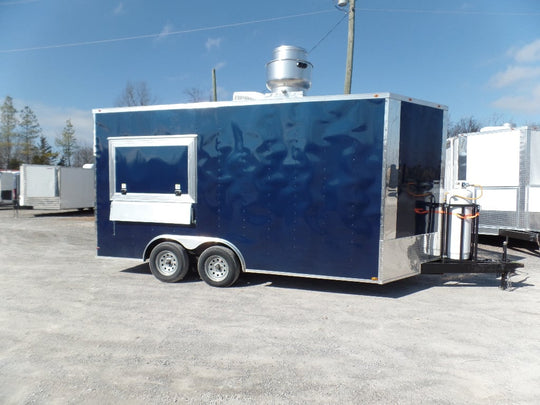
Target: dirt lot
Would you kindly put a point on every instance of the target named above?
(76, 329)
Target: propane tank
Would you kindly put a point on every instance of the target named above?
(459, 224)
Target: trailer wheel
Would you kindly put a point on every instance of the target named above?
(169, 262)
(219, 266)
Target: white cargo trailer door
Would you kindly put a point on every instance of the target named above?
(40, 181)
(6, 186)
(493, 163)
(76, 187)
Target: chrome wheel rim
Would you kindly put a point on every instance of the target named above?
(167, 263)
(216, 268)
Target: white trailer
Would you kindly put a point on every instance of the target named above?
(56, 187)
(8, 186)
(503, 166)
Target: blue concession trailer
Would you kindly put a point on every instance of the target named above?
(325, 187)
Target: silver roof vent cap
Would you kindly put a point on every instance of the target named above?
(289, 71)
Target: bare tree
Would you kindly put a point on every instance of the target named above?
(463, 126)
(196, 95)
(83, 155)
(496, 119)
(135, 94)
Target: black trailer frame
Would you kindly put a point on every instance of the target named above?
(444, 264)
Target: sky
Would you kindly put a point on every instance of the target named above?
(62, 58)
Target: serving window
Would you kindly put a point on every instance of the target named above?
(153, 178)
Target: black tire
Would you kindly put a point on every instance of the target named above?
(219, 266)
(169, 262)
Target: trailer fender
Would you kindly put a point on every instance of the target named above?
(192, 243)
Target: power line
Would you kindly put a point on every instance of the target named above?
(16, 2)
(463, 12)
(329, 32)
(163, 34)
(216, 27)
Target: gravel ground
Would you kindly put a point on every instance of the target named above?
(77, 329)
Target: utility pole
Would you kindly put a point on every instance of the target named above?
(214, 86)
(350, 46)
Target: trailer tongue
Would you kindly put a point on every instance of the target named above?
(472, 263)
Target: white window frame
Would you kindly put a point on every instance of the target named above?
(188, 195)
(154, 207)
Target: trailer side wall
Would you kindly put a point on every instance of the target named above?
(296, 187)
(321, 187)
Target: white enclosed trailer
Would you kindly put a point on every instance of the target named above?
(56, 187)
(503, 165)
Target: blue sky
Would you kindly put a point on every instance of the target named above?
(62, 58)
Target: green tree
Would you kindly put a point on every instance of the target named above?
(8, 136)
(44, 154)
(30, 130)
(67, 143)
(14, 164)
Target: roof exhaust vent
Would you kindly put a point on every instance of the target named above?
(289, 71)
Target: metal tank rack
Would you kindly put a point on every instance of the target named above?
(468, 261)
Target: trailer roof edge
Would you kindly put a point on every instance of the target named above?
(268, 100)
